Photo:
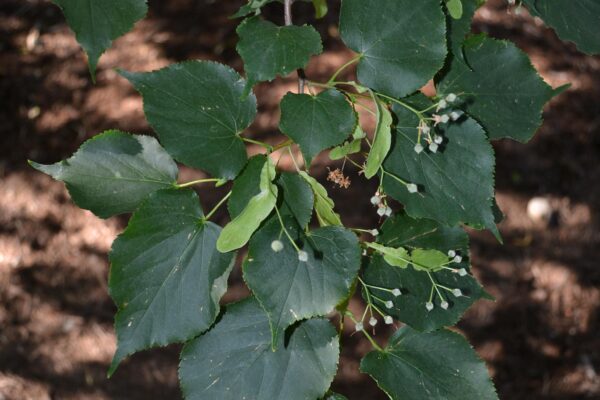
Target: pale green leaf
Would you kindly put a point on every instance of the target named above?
(382, 141)
(197, 111)
(235, 360)
(350, 147)
(113, 172)
(428, 260)
(237, 232)
(434, 366)
(455, 8)
(397, 257)
(323, 203)
(166, 276)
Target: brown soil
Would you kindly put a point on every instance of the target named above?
(540, 338)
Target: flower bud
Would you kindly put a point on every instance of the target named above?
(396, 292)
(389, 304)
(359, 326)
(412, 188)
(429, 306)
(276, 246)
(433, 147)
(457, 292)
(303, 256)
(388, 320)
(373, 321)
(418, 148)
(444, 305)
(462, 272)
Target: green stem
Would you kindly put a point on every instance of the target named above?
(192, 183)
(403, 104)
(343, 67)
(219, 204)
(258, 142)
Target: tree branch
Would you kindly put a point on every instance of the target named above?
(287, 4)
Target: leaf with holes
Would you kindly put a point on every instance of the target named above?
(291, 289)
(166, 276)
(195, 108)
(113, 172)
(401, 42)
(437, 366)
(235, 360)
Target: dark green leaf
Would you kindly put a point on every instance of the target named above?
(317, 122)
(402, 231)
(269, 50)
(113, 172)
(501, 89)
(456, 184)
(402, 42)
(435, 366)
(290, 289)
(197, 111)
(335, 396)
(458, 29)
(97, 23)
(298, 197)
(237, 232)
(575, 21)
(246, 185)
(166, 276)
(383, 139)
(235, 361)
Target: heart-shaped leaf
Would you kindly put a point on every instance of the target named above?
(235, 360)
(290, 288)
(317, 122)
(113, 172)
(402, 42)
(456, 184)
(166, 276)
(269, 50)
(197, 111)
(435, 366)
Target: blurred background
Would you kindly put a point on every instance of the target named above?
(540, 338)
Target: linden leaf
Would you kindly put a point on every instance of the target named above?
(113, 172)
